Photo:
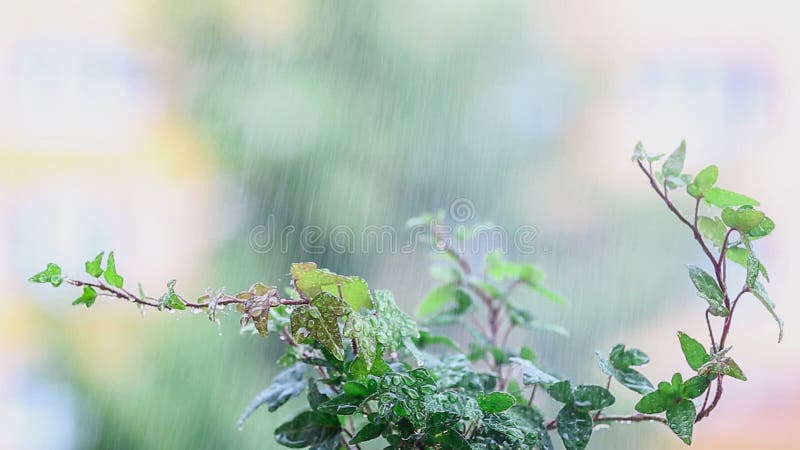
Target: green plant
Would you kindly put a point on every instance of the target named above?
(369, 372)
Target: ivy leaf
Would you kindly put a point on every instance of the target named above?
(619, 366)
(723, 365)
(550, 295)
(320, 321)
(653, 403)
(498, 268)
(590, 398)
(368, 432)
(760, 293)
(753, 269)
(287, 384)
(639, 152)
(673, 165)
(574, 427)
(712, 229)
(634, 380)
(87, 298)
(723, 198)
(437, 299)
(495, 402)
(708, 289)
(694, 387)
(93, 267)
(311, 281)
(111, 275)
(561, 391)
(762, 229)
(680, 419)
(308, 429)
(362, 328)
(51, 274)
(693, 350)
(743, 219)
(623, 359)
(170, 299)
(450, 439)
(342, 405)
(397, 328)
(455, 311)
(703, 181)
(532, 374)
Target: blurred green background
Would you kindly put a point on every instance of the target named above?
(170, 132)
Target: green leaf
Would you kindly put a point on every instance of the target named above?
(308, 429)
(680, 419)
(703, 181)
(51, 274)
(319, 321)
(427, 339)
(454, 312)
(712, 229)
(495, 402)
(437, 299)
(362, 329)
(740, 256)
(87, 298)
(527, 353)
(696, 355)
(287, 384)
(753, 268)
(694, 387)
(673, 165)
(170, 299)
(762, 229)
(550, 295)
(368, 432)
(561, 391)
(742, 220)
(111, 275)
(93, 267)
(342, 405)
(639, 152)
(451, 440)
(590, 398)
(727, 366)
(633, 380)
(653, 403)
(532, 374)
(574, 427)
(500, 269)
(760, 293)
(708, 289)
(723, 198)
(622, 359)
(311, 281)
(396, 329)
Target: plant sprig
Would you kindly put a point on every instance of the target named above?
(370, 371)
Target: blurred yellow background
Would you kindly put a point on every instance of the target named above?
(167, 131)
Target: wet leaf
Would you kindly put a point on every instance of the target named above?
(93, 267)
(87, 298)
(110, 274)
(311, 281)
(308, 429)
(723, 198)
(760, 293)
(708, 289)
(495, 402)
(673, 165)
(51, 274)
(703, 181)
(319, 321)
(287, 384)
(695, 353)
(574, 427)
(680, 419)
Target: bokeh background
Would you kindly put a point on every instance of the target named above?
(167, 131)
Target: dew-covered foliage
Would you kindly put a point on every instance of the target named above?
(368, 371)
